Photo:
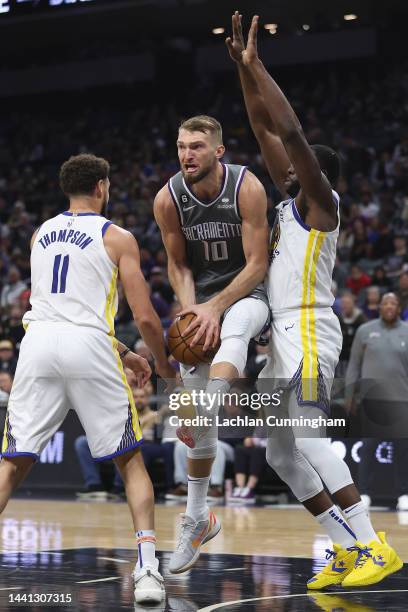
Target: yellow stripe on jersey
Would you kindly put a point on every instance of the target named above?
(110, 303)
(308, 322)
(110, 319)
(135, 419)
(5, 432)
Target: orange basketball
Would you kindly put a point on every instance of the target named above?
(179, 344)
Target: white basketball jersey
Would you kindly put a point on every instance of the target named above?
(300, 274)
(72, 277)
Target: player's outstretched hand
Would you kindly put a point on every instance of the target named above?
(139, 366)
(236, 44)
(250, 54)
(208, 322)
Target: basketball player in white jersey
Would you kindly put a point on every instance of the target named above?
(213, 222)
(306, 338)
(69, 356)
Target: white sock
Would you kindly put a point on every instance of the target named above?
(197, 489)
(146, 546)
(336, 527)
(360, 522)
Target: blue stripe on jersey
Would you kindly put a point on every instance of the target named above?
(105, 227)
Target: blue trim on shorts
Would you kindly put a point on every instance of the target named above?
(17, 454)
(121, 452)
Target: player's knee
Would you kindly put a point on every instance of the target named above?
(233, 350)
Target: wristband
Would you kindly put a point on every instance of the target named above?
(124, 352)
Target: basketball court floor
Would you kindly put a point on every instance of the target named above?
(79, 556)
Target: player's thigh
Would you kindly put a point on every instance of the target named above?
(105, 406)
(36, 409)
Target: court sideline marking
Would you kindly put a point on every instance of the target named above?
(238, 601)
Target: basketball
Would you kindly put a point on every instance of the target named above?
(179, 344)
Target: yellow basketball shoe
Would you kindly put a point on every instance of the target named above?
(374, 562)
(341, 563)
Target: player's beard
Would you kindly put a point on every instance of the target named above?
(196, 178)
(293, 188)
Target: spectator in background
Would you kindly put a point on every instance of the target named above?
(6, 382)
(94, 488)
(13, 326)
(357, 280)
(160, 285)
(13, 288)
(372, 303)
(151, 448)
(396, 261)
(250, 462)
(380, 279)
(360, 246)
(378, 373)
(367, 207)
(8, 360)
(350, 318)
(403, 295)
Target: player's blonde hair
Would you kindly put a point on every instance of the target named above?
(205, 124)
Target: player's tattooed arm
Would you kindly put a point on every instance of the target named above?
(313, 182)
(179, 272)
(272, 149)
(123, 250)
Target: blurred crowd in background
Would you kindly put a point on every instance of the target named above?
(360, 109)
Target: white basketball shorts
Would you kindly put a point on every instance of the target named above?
(63, 366)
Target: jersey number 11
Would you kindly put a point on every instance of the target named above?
(59, 280)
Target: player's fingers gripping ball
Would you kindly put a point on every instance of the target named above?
(179, 343)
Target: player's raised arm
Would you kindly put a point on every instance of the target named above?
(314, 183)
(124, 251)
(272, 149)
(179, 272)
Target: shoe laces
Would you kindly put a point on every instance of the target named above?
(184, 535)
(363, 553)
(330, 554)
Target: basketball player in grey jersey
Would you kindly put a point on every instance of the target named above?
(213, 222)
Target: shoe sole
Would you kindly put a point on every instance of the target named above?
(150, 599)
(396, 565)
(214, 531)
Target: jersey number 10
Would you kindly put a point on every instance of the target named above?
(59, 280)
(215, 251)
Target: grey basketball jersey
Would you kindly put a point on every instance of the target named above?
(213, 232)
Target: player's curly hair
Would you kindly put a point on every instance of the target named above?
(80, 174)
